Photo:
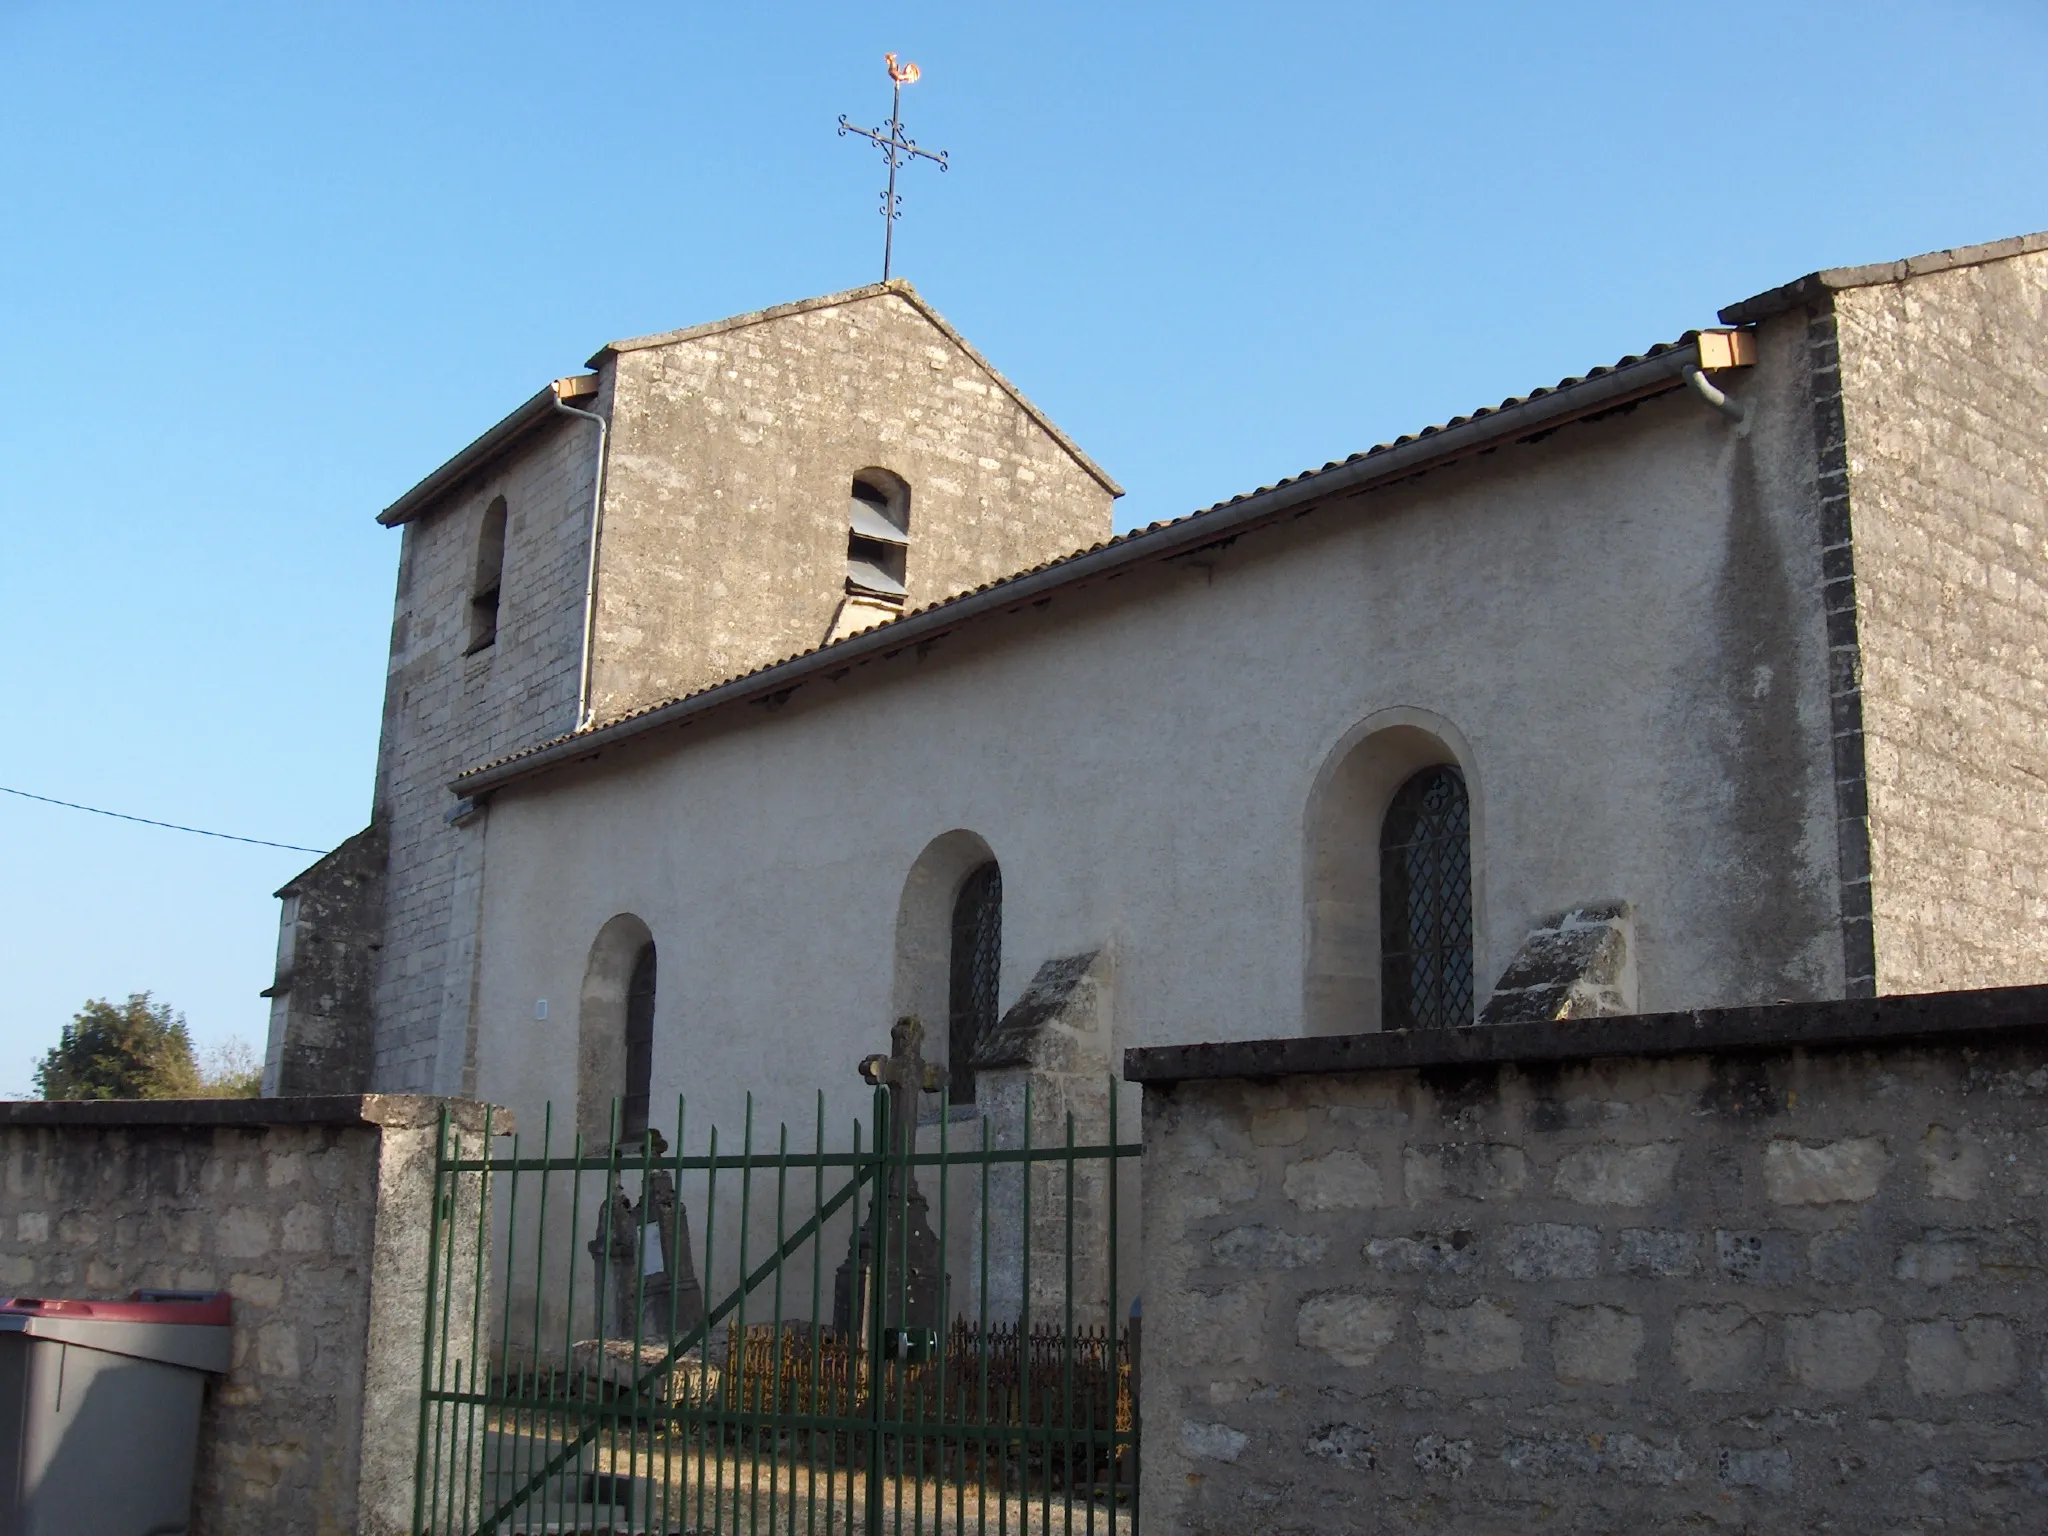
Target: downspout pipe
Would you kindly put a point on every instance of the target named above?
(584, 706)
(1704, 387)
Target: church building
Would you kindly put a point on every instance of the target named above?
(780, 676)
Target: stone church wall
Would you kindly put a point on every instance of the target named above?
(1778, 1269)
(445, 711)
(1619, 621)
(733, 457)
(1944, 382)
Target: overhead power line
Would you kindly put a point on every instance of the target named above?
(170, 826)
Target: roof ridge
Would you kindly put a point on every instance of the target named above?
(902, 289)
(1816, 285)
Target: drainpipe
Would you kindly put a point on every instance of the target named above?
(1718, 399)
(583, 703)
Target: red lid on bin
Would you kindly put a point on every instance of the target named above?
(207, 1309)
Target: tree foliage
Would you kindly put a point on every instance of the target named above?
(230, 1070)
(134, 1050)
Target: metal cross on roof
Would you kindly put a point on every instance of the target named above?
(897, 148)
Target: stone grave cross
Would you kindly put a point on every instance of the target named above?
(906, 1074)
(910, 1271)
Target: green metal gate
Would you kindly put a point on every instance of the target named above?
(875, 1358)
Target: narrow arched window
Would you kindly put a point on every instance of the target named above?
(633, 1108)
(878, 537)
(976, 969)
(489, 578)
(1426, 904)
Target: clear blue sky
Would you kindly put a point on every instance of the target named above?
(262, 266)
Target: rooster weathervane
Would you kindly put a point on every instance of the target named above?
(897, 148)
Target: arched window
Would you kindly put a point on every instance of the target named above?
(615, 1030)
(489, 579)
(1426, 903)
(974, 972)
(634, 1104)
(878, 536)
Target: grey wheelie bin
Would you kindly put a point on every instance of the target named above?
(99, 1411)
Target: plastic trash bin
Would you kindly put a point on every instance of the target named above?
(99, 1411)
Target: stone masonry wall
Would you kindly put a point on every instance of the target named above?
(1742, 1289)
(313, 1214)
(1944, 380)
(733, 454)
(330, 930)
(444, 712)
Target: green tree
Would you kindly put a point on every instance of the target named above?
(134, 1050)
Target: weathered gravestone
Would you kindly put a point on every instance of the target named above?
(645, 1270)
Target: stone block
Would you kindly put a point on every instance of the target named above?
(1464, 1171)
(1350, 1328)
(1212, 1442)
(1630, 1176)
(1474, 1340)
(1842, 1258)
(1595, 1346)
(1717, 1349)
(1279, 1127)
(1849, 1171)
(1951, 1358)
(1258, 1247)
(1349, 1446)
(1228, 1320)
(1225, 1181)
(1627, 1457)
(1426, 1253)
(1937, 1258)
(1954, 1165)
(1573, 965)
(1550, 1251)
(1769, 1259)
(1835, 1351)
(1767, 1469)
(1654, 1253)
(1340, 1181)
(243, 1233)
(1436, 1456)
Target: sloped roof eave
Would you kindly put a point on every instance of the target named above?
(1633, 379)
(495, 440)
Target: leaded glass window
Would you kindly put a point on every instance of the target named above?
(1426, 904)
(977, 962)
(639, 1048)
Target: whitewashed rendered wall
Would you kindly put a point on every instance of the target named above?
(1621, 623)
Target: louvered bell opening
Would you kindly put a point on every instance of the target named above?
(868, 569)
(868, 521)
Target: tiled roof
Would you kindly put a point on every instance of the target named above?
(1632, 378)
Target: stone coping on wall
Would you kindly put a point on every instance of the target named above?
(1915, 1018)
(391, 1111)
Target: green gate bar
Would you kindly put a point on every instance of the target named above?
(798, 1429)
